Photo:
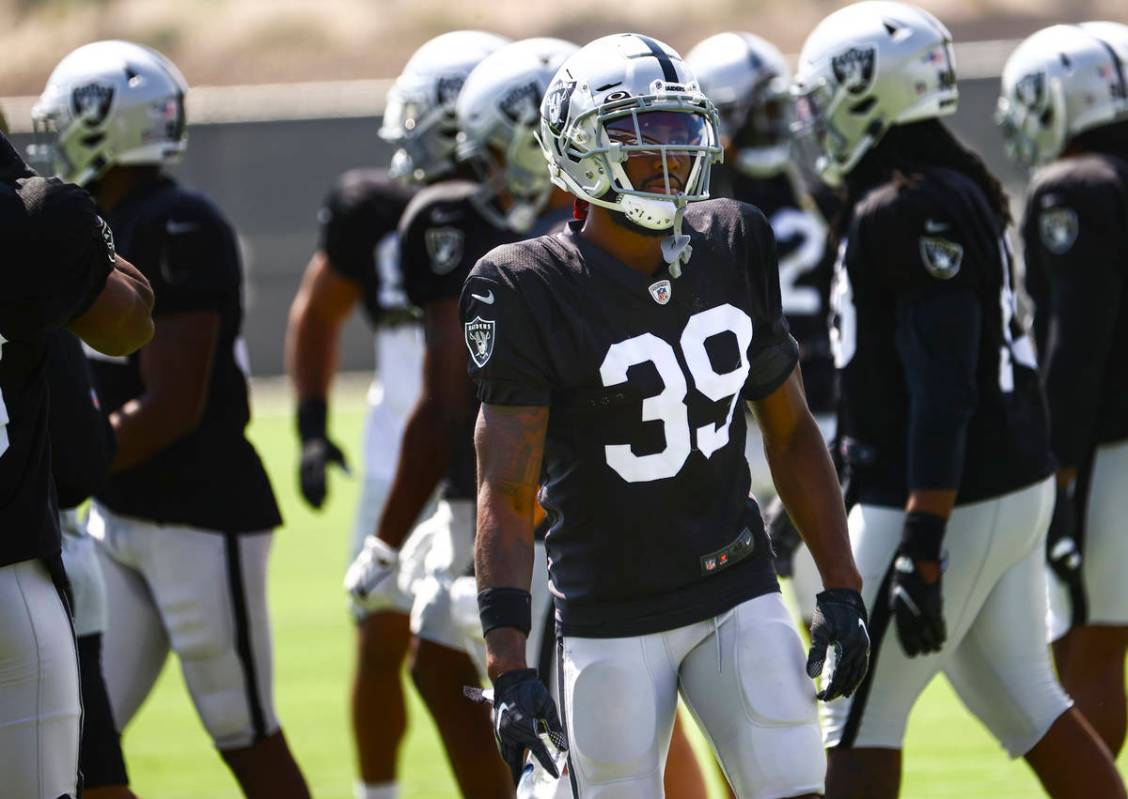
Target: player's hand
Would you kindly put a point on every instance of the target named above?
(915, 599)
(317, 455)
(1062, 552)
(373, 574)
(840, 622)
(784, 537)
(525, 718)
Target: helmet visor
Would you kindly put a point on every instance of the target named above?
(663, 153)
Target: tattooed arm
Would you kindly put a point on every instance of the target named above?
(510, 445)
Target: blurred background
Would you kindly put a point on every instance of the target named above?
(288, 93)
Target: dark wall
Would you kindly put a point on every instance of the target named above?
(270, 178)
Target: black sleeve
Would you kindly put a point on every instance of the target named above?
(773, 353)
(195, 262)
(1078, 245)
(82, 441)
(60, 254)
(937, 340)
(348, 236)
(507, 359)
(437, 257)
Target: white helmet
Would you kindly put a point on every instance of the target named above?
(747, 78)
(498, 114)
(1060, 82)
(864, 69)
(110, 103)
(634, 84)
(419, 116)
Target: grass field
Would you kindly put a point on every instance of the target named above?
(948, 754)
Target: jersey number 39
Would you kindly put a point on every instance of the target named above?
(669, 406)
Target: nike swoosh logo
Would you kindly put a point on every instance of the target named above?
(932, 226)
(487, 298)
(176, 228)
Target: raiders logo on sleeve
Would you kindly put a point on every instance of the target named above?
(444, 247)
(942, 258)
(1058, 229)
(480, 335)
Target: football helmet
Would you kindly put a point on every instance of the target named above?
(109, 103)
(864, 69)
(623, 95)
(498, 113)
(748, 81)
(1060, 82)
(419, 116)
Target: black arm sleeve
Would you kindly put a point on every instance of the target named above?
(82, 441)
(937, 340)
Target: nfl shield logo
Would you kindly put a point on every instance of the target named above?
(942, 258)
(661, 291)
(1058, 227)
(444, 245)
(480, 337)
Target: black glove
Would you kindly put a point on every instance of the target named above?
(1062, 552)
(840, 622)
(317, 451)
(914, 596)
(523, 712)
(784, 537)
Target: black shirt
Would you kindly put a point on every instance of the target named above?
(1075, 231)
(82, 440)
(58, 254)
(442, 235)
(212, 477)
(939, 381)
(806, 264)
(644, 480)
(358, 234)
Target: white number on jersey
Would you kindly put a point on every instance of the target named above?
(3, 410)
(844, 317)
(1020, 350)
(787, 223)
(392, 293)
(669, 406)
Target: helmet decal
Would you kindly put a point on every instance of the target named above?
(854, 69)
(1031, 91)
(91, 103)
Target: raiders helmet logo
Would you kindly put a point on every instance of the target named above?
(91, 103)
(1030, 90)
(520, 103)
(107, 238)
(1058, 228)
(854, 69)
(444, 246)
(448, 89)
(480, 336)
(661, 291)
(942, 258)
(557, 104)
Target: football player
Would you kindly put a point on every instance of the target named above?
(358, 261)
(748, 80)
(184, 522)
(941, 422)
(60, 271)
(584, 346)
(444, 230)
(1064, 110)
(82, 448)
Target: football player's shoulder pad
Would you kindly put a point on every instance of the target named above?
(443, 205)
(1092, 185)
(366, 188)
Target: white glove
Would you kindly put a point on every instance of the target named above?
(371, 579)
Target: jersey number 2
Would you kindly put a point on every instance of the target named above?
(669, 406)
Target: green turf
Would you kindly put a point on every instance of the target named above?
(948, 754)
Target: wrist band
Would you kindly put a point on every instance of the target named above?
(922, 535)
(505, 607)
(312, 414)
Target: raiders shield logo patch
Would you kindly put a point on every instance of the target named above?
(557, 104)
(1030, 90)
(1059, 229)
(444, 246)
(480, 336)
(853, 69)
(942, 258)
(661, 291)
(91, 103)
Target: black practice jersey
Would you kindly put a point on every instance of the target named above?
(358, 234)
(806, 264)
(442, 235)
(939, 382)
(58, 254)
(82, 440)
(645, 484)
(212, 477)
(1075, 231)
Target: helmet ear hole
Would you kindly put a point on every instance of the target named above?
(864, 106)
(92, 140)
(1046, 118)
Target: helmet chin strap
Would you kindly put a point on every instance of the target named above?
(675, 247)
